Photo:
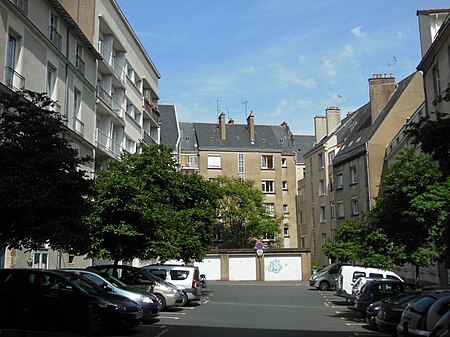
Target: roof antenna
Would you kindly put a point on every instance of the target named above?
(245, 103)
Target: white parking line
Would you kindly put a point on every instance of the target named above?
(169, 317)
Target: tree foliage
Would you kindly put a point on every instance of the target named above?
(413, 207)
(243, 215)
(144, 207)
(42, 188)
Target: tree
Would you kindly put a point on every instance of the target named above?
(42, 188)
(144, 207)
(412, 208)
(359, 242)
(243, 216)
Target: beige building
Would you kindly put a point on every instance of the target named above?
(346, 164)
(264, 154)
(94, 66)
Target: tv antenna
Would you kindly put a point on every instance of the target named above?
(245, 104)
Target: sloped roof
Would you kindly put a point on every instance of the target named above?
(268, 138)
(361, 127)
(303, 144)
(169, 125)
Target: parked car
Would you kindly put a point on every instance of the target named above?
(185, 277)
(391, 310)
(442, 327)
(148, 301)
(325, 279)
(372, 312)
(357, 287)
(377, 289)
(54, 300)
(348, 275)
(168, 294)
(422, 314)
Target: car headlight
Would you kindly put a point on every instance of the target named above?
(116, 307)
(146, 299)
(175, 291)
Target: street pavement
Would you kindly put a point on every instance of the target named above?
(254, 309)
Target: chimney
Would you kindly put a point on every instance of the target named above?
(231, 121)
(223, 131)
(320, 127)
(333, 115)
(381, 88)
(251, 126)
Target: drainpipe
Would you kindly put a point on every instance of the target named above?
(369, 194)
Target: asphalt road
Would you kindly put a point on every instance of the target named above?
(239, 309)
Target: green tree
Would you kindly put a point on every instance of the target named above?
(243, 215)
(42, 188)
(144, 207)
(412, 208)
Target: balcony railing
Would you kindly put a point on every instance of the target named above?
(110, 102)
(79, 63)
(117, 68)
(22, 5)
(148, 139)
(55, 37)
(14, 80)
(151, 108)
(78, 126)
(108, 144)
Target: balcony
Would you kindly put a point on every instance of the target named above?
(107, 144)
(117, 68)
(22, 5)
(14, 80)
(115, 106)
(151, 109)
(55, 37)
(148, 139)
(79, 64)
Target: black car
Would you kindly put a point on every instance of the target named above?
(377, 289)
(391, 310)
(53, 300)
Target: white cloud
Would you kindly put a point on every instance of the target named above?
(289, 76)
(330, 70)
(357, 31)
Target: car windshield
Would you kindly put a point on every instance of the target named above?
(114, 281)
(84, 284)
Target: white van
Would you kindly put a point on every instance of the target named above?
(348, 275)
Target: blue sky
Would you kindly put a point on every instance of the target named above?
(289, 59)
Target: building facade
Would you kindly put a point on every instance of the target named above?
(264, 154)
(85, 56)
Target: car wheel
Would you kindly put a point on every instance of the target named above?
(324, 285)
(94, 323)
(185, 300)
(161, 301)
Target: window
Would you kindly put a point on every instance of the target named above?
(322, 214)
(333, 210)
(13, 80)
(40, 259)
(436, 81)
(286, 230)
(330, 157)
(285, 208)
(324, 238)
(78, 125)
(267, 162)
(51, 80)
(355, 207)
(302, 242)
(193, 161)
(11, 52)
(53, 34)
(270, 209)
(269, 237)
(353, 175)
(268, 186)
(321, 161)
(301, 194)
(340, 209)
(241, 163)
(130, 146)
(134, 113)
(331, 179)
(79, 63)
(301, 216)
(283, 162)
(214, 161)
(284, 185)
(340, 180)
(321, 187)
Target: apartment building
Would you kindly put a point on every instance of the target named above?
(264, 154)
(86, 57)
(347, 165)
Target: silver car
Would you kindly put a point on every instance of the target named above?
(149, 302)
(168, 294)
